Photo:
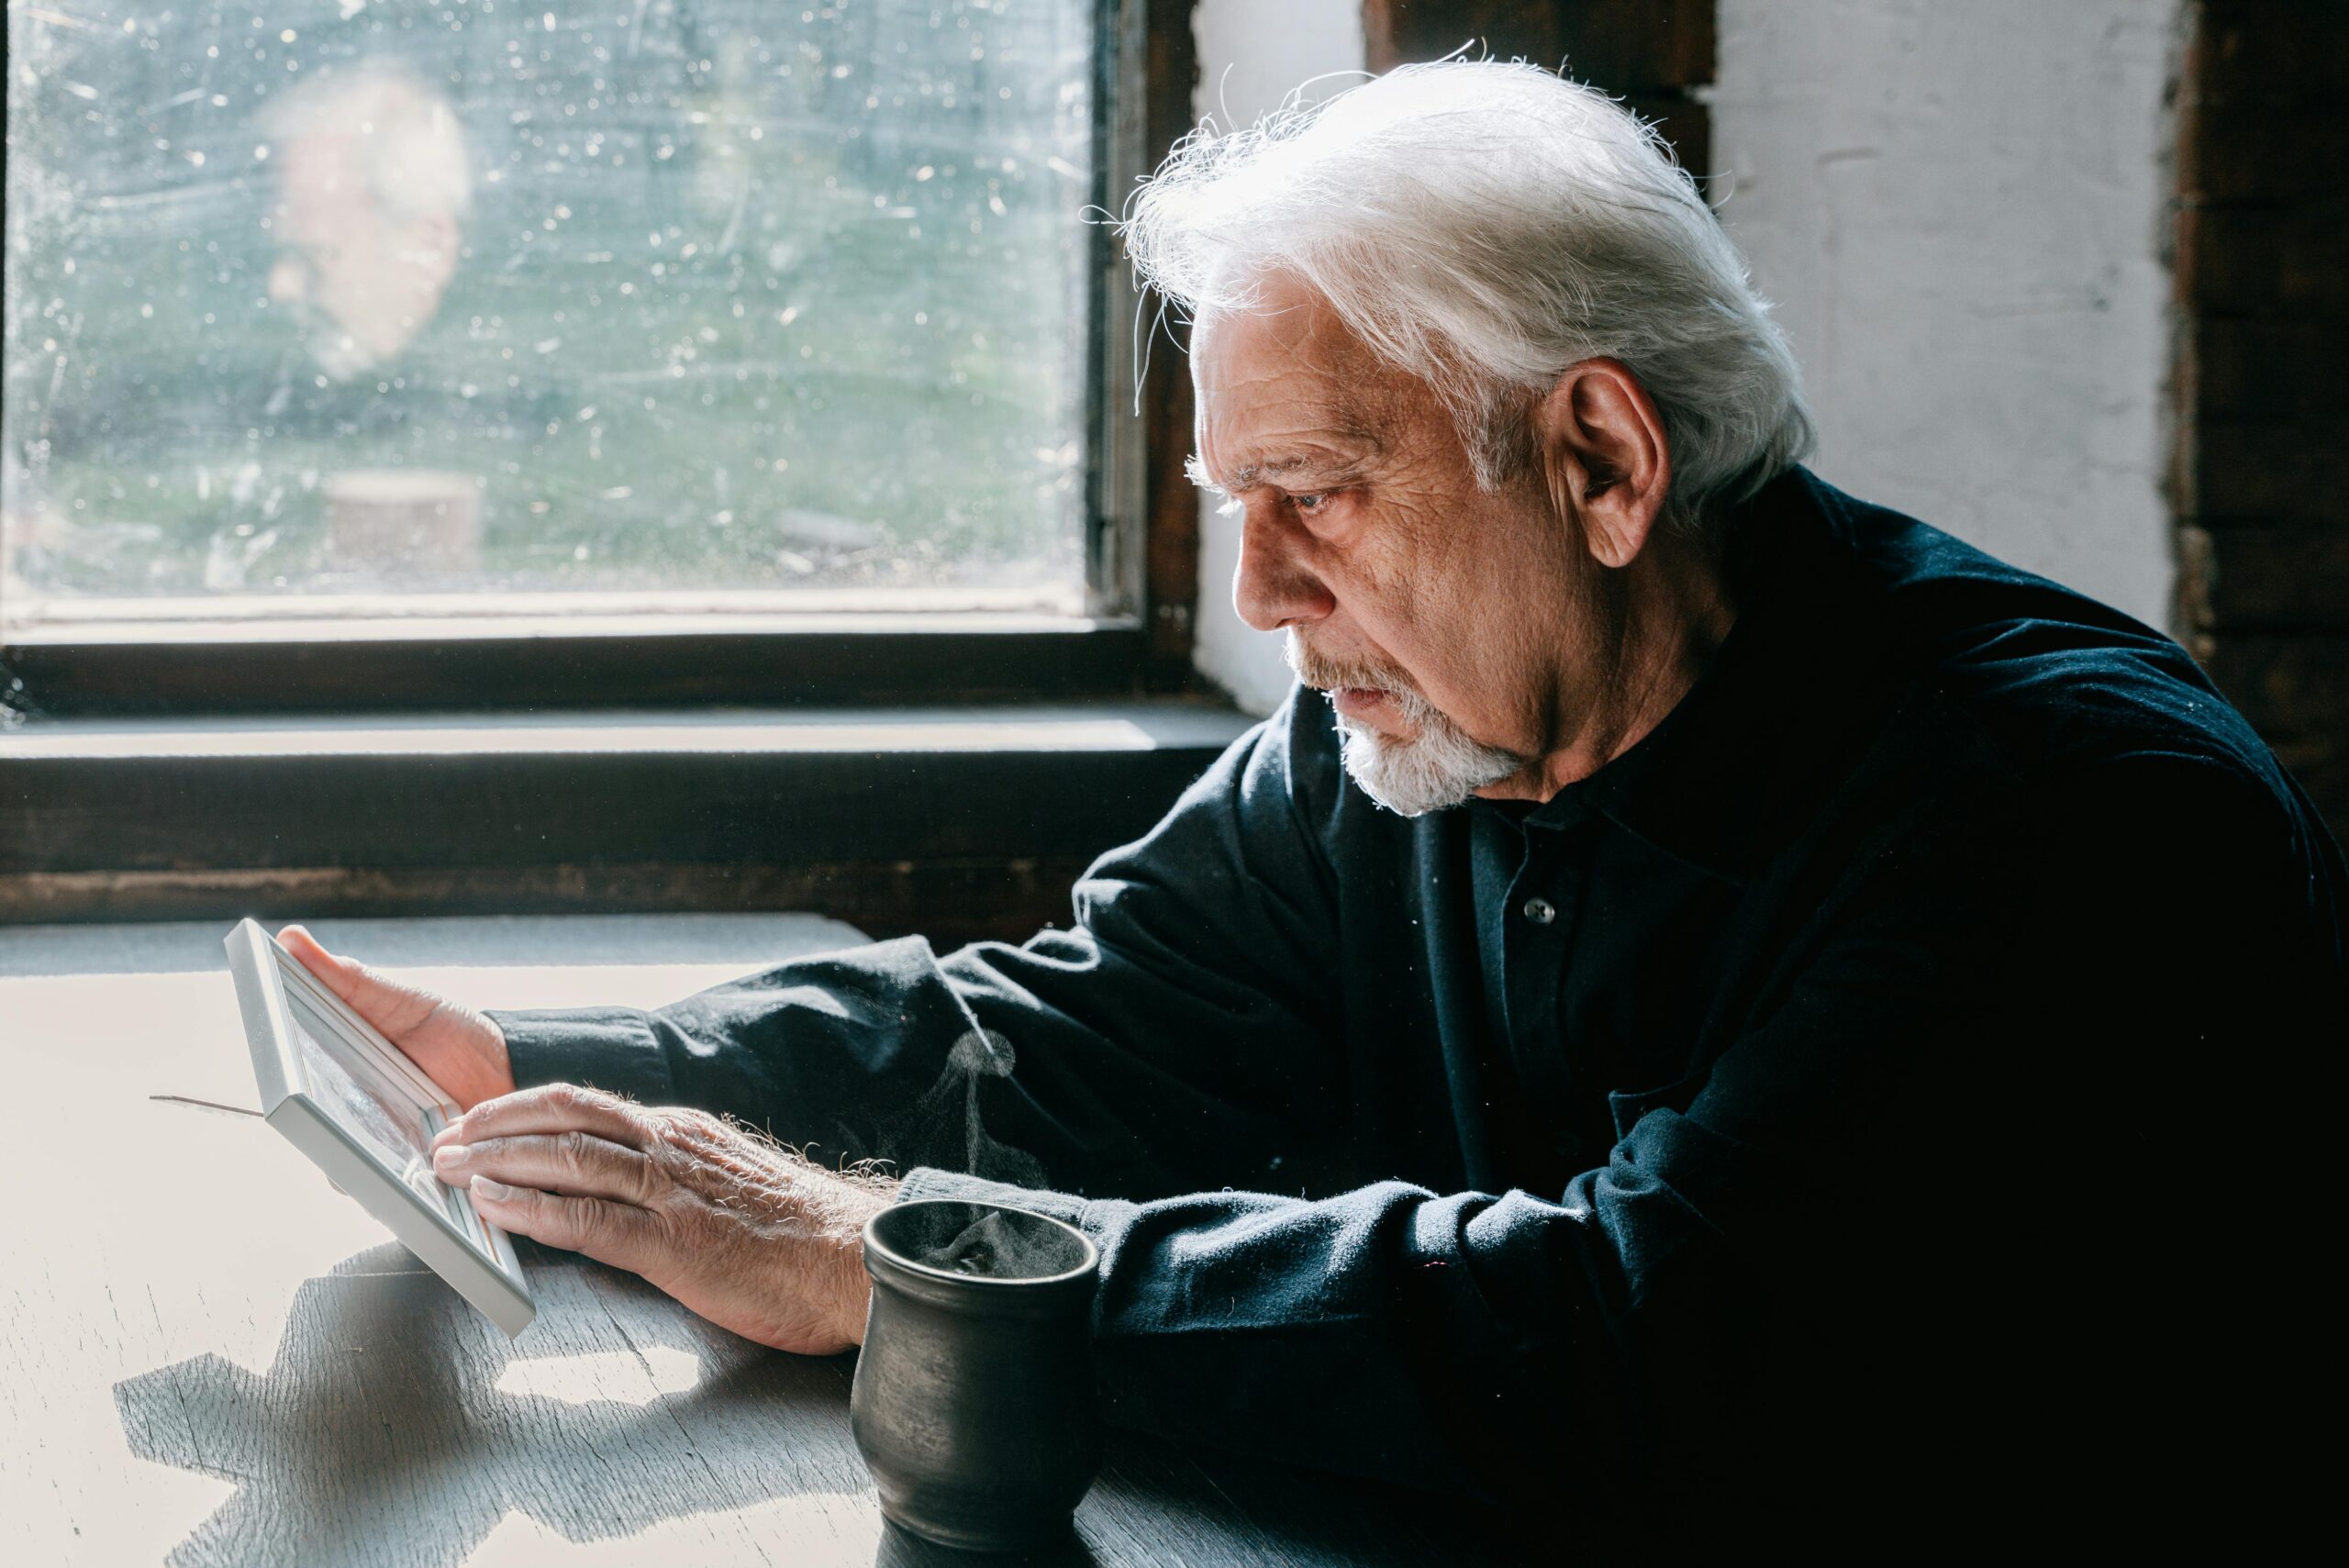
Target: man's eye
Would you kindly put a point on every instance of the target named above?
(1311, 501)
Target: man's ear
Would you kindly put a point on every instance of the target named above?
(1604, 456)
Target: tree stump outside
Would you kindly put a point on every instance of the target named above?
(408, 522)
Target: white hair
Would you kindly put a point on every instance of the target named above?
(1484, 226)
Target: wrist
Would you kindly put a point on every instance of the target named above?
(853, 1283)
(856, 1299)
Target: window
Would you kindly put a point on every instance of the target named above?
(337, 314)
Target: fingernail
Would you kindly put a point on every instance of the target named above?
(448, 1156)
(494, 1192)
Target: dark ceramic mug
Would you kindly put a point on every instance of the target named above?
(973, 1404)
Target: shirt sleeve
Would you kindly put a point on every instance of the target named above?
(1949, 1155)
(1171, 1037)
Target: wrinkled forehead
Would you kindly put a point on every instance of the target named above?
(1284, 368)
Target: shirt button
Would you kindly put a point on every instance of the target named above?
(1540, 911)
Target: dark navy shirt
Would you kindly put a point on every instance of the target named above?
(1869, 1093)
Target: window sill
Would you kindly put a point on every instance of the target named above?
(953, 822)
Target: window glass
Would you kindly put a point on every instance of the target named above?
(360, 307)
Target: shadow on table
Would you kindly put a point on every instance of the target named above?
(381, 1435)
(396, 1426)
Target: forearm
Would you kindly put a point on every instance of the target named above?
(1066, 1062)
(848, 1052)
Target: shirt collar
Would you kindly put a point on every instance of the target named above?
(1736, 766)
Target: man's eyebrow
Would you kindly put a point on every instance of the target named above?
(1287, 465)
(1197, 473)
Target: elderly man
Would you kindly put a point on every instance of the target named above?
(1730, 1025)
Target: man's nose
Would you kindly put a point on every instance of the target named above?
(1273, 587)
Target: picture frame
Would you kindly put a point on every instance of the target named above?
(366, 1116)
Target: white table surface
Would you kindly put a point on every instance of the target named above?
(209, 1356)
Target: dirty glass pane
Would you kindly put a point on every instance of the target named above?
(361, 306)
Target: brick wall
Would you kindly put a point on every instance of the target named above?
(2260, 465)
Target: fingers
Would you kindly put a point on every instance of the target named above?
(394, 1009)
(297, 940)
(609, 1232)
(575, 1162)
(551, 1108)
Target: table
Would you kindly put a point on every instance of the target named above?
(209, 1356)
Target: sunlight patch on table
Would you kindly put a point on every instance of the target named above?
(139, 1523)
(221, 1218)
(626, 1377)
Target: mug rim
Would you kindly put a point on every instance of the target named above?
(876, 1247)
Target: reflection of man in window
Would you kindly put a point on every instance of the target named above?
(373, 185)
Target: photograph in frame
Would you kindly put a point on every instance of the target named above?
(366, 1116)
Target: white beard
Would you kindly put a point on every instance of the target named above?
(1438, 767)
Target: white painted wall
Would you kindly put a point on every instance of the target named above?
(1956, 208)
(1253, 54)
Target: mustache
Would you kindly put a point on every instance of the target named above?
(1325, 673)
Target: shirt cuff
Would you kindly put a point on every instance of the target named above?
(612, 1049)
(923, 1183)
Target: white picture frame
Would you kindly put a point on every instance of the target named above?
(366, 1116)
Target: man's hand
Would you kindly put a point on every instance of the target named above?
(741, 1231)
(458, 1048)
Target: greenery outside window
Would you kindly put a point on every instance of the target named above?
(467, 331)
